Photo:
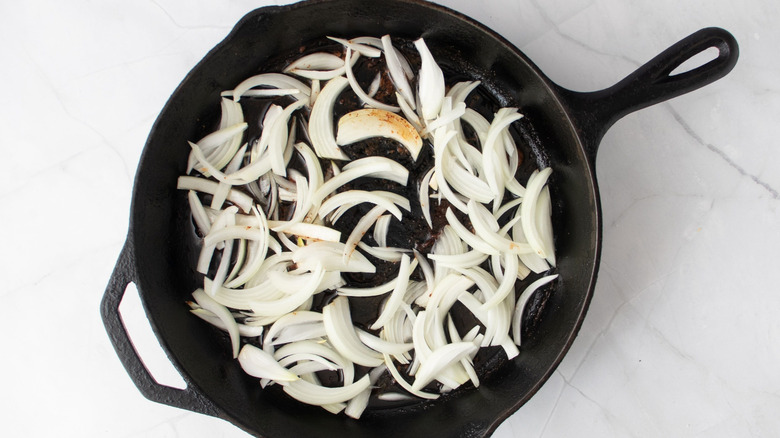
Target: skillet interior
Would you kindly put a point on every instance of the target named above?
(166, 247)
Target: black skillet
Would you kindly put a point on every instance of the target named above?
(564, 131)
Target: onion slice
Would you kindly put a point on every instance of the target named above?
(431, 82)
(393, 303)
(439, 360)
(275, 80)
(396, 70)
(321, 123)
(517, 318)
(528, 210)
(341, 333)
(318, 395)
(221, 312)
(258, 363)
(368, 100)
(209, 186)
(371, 122)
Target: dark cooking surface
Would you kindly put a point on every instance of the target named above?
(413, 231)
(160, 252)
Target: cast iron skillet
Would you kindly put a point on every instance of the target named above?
(160, 250)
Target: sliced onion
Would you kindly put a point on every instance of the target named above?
(278, 289)
(445, 118)
(393, 303)
(357, 45)
(374, 87)
(317, 395)
(290, 320)
(199, 214)
(329, 255)
(275, 80)
(360, 229)
(278, 139)
(404, 384)
(270, 92)
(465, 182)
(486, 228)
(225, 218)
(431, 82)
(382, 346)
(341, 333)
(522, 300)
(441, 139)
(260, 248)
(377, 167)
(318, 65)
(381, 227)
(221, 312)
(321, 120)
(203, 185)
(368, 100)
(440, 359)
(359, 403)
(396, 70)
(423, 196)
(492, 155)
(472, 240)
(528, 213)
(246, 331)
(507, 285)
(258, 363)
(368, 291)
(211, 142)
(290, 302)
(306, 231)
(322, 350)
(371, 122)
(465, 260)
(544, 224)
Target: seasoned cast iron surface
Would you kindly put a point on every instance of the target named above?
(413, 232)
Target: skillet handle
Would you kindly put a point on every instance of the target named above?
(124, 274)
(652, 83)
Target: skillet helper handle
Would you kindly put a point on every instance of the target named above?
(124, 274)
(652, 83)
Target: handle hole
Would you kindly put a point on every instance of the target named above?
(146, 344)
(702, 58)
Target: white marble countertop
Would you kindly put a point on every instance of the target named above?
(682, 335)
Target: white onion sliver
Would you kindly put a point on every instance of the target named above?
(425, 203)
(315, 61)
(246, 331)
(431, 82)
(341, 333)
(208, 186)
(258, 363)
(358, 45)
(517, 318)
(221, 312)
(368, 100)
(404, 384)
(377, 167)
(276, 80)
(318, 395)
(393, 302)
(321, 120)
(528, 213)
(360, 229)
(381, 227)
(396, 70)
(439, 360)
